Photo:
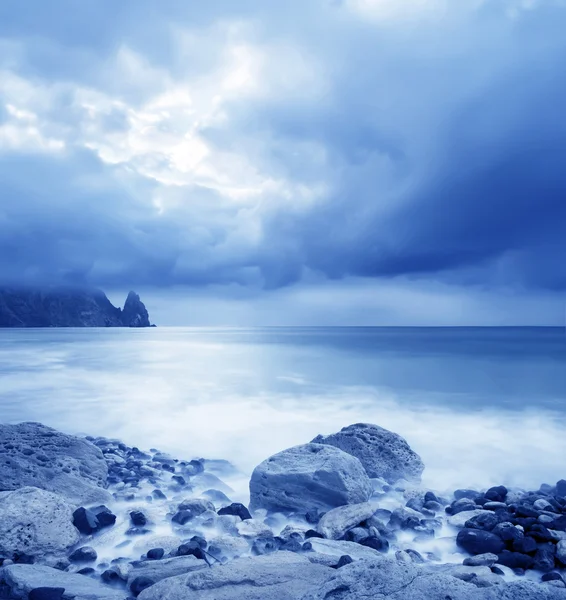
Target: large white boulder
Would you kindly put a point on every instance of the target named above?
(35, 522)
(308, 477)
(21, 579)
(383, 454)
(38, 456)
(278, 576)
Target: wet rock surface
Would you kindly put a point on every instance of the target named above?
(175, 528)
(312, 477)
(38, 456)
(383, 454)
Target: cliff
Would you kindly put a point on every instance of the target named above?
(68, 307)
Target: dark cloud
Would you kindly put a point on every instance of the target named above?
(258, 145)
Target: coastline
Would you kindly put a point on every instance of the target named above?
(165, 518)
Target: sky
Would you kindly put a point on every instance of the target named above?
(307, 162)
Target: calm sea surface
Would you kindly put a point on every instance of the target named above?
(481, 406)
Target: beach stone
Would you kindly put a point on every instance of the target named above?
(22, 579)
(383, 454)
(481, 560)
(157, 570)
(236, 509)
(84, 554)
(336, 522)
(307, 478)
(37, 456)
(155, 553)
(280, 576)
(460, 519)
(35, 522)
(338, 548)
(475, 541)
(139, 584)
(484, 522)
(515, 560)
(544, 558)
(507, 532)
(561, 551)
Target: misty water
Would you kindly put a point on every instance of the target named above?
(481, 406)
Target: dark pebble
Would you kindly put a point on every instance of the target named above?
(344, 560)
(484, 522)
(377, 543)
(515, 560)
(544, 558)
(138, 518)
(85, 521)
(554, 576)
(311, 533)
(139, 584)
(237, 509)
(191, 549)
(86, 571)
(476, 541)
(155, 553)
(84, 554)
(197, 539)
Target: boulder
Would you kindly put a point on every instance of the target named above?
(38, 456)
(336, 522)
(307, 478)
(394, 580)
(390, 579)
(35, 522)
(157, 570)
(279, 576)
(383, 454)
(21, 579)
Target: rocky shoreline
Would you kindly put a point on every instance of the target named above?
(343, 517)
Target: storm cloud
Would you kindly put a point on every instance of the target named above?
(308, 145)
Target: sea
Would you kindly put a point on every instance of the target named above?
(481, 406)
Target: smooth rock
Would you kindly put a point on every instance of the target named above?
(35, 522)
(237, 509)
(336, 522)
(34, 455)
(21, 579)
(340, 548)
(84, 554)
(308, 477)
(161, 569)
(388, 579)
(383, 454)
(475, 541)
(459, 520)
(481, 560)
(280, 576)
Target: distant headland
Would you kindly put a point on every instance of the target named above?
(68, 307)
